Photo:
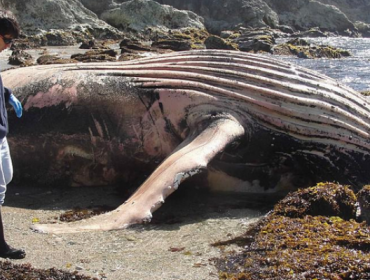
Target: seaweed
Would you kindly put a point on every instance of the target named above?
(12, 271)
(291, 244)
(77, 213)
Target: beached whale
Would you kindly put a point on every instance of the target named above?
(256, 124)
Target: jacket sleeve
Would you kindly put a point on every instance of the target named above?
(7, 93)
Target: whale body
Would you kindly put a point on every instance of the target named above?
(253, 123)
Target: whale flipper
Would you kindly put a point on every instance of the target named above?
(190, 157)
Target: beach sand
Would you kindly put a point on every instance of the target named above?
(175, 245)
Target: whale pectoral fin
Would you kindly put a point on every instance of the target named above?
(189, 158)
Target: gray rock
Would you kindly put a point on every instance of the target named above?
(363, 28)
(39, 16)
(355, 10)
(256, 40)
(288, 15)
(20, 57)
(141, 15)
(305, 14)
(221, 15)
(215, 42)
(98, 6)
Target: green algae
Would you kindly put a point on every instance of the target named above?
(291, 244)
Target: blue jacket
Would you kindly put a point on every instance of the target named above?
(4, 98)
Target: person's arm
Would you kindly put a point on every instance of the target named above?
(17, 105)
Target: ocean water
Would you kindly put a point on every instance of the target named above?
(353, 71)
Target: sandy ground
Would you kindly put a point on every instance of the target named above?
(176, 245)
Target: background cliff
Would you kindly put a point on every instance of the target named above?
(108, 18)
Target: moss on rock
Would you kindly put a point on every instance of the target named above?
(216, 42)
(303, 49)
(365, 93)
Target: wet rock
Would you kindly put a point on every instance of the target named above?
(23, 43)
(351, 33)
(227, 34)
(173, 44)
(180, 40)
(325, 199)
(54, 38)
(93, 44)
(303, 49)
(59, 38)
(20, 58)
(96, 56)
(363, 197)
(53, 59)
(216, 42)
(286, 29)
(256, 40)
(129, 56)
(128, 46)
(363, 28)
(311, 33)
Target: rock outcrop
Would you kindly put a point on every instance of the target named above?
(305, 14)
(147, 15)
(67, 22)
(71, 21)
(355, 10)
(222, 15)
(331, 15)
(302, 49)
(39, 17)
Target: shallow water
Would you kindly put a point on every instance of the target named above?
(353, 71)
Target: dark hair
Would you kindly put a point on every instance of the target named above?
(9, 24)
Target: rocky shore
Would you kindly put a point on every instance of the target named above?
(157, 26)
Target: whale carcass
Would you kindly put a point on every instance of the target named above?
(254, 123)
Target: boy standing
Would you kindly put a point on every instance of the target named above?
(9, 29)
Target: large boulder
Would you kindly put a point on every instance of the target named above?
(305, 14)
(222, 15)
(143, 15)
(355, 10)
(40, 16)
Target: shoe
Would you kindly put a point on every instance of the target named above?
(13, 253)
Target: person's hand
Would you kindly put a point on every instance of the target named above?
(16, 105)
